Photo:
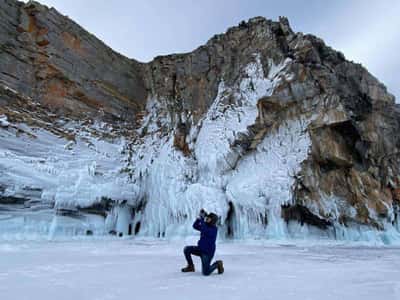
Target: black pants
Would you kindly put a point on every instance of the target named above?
(206, 268)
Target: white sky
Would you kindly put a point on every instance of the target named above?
(365, 31)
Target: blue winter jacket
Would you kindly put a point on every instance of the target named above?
(208, 236)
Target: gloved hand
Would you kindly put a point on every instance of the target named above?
(203, 213)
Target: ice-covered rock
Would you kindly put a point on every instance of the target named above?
(3, 121)
(258, 119)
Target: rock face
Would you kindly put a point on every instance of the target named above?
(272, 129)
(48, 57)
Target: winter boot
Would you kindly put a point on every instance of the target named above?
(189, 268)
(220, 266)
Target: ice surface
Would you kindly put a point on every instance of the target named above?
(145, 269)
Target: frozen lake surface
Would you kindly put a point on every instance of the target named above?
(148, 269)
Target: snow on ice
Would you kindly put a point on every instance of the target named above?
(144, 269)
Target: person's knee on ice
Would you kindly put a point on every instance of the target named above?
(208, 273)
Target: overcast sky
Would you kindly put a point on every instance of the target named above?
(365, 31)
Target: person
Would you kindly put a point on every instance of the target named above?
(207, 225)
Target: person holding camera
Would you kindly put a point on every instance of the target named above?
(205, 249)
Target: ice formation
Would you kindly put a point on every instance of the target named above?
(54, 172)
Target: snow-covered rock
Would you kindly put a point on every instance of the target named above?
(3, 121)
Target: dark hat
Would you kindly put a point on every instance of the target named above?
(213, 218)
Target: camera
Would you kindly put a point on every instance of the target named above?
(203, 213)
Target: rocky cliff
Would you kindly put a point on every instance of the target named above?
(272, 129)
(48, 57)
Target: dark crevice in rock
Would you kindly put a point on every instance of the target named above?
(352, 138)
(12, 200)
(181, 131)
(229, 220)
(303, 215)
(137, 227)
(264, 218)
(139, 207)
(328, 166)
(281, 39)
(66, 212)
(101, 208)
(251, 139)
(130, 229)
(137, 210)
(10, 75)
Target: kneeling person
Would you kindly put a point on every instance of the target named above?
(207, 225)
